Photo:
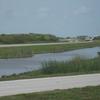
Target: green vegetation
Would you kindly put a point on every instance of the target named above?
(86, 93)
(76, 65)
(26, 38)
(15, 52)
(63, 47)
(97, 38)
(54, 68)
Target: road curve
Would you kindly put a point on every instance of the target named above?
(56, 43)
(47, 84)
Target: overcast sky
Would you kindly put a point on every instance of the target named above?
(59, 17)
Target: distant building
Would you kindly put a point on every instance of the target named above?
(69, 40)
(89, 38)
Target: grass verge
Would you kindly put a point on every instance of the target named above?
(86, 93)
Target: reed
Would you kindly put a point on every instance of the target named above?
(76, 65)
(15, 52)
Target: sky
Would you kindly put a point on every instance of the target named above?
(58, 17)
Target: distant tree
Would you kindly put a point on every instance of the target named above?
(97, 38)
(26, 38)
(82, 37)
(68, 37)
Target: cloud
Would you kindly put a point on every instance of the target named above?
(81, 10)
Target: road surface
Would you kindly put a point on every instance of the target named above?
(17, 45)
(47, 84)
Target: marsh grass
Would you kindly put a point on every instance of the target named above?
(15, 52)
(76, 65)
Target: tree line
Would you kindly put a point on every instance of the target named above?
(26, 38)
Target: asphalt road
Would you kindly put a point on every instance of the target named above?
(47, 84)
(14, 45)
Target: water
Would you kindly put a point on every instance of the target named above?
(19, 65)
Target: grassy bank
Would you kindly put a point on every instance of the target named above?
(54, 68)
(63, 47)
(87, 93)
(15, 52)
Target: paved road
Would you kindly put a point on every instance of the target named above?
(14, 45)
(47, 84)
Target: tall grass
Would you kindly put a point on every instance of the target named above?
(15, 52)
(76, 65)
